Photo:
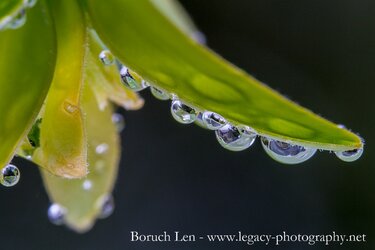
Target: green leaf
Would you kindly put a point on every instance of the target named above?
(63, 149)
(26, 69)
(83, 198)
(147, 42)
(8, 10)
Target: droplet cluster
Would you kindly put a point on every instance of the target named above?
(234, 137)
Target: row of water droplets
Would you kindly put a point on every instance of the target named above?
(230, 136)
(19, 19)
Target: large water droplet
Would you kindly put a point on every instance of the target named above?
(230, 138)
(132, 80)
(56, 214)
(101, 149)
(213, 121)
(183, 113)
(159, 94)
(286, 153)
(119, 121)
(106, 57)
(107, 206)
(9, 176)
(29, 3)
(350, 155)
(18, 20)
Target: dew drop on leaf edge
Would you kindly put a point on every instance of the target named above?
(285, 152)
(350, 155)
(182, 112)
(10, 175)
(230, 138)
(56, 214)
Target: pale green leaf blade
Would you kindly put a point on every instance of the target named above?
(26, 69)
(146, 41)
(83, 198)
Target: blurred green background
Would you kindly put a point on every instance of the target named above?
(320, 54)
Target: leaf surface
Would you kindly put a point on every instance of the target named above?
(25, 75)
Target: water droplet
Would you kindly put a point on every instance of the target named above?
(246, 130)
(183, 113)
(159, 94)
(107, 206)
(119, 121)
(350, 155)
(101, 149)
(87, 185)
(70, 108)
(9, 176)
(132, 80)
(213, 121)
(285, 152)
(56, 214)
(199, 37)
(230, 138)
(29, 3)
(199, 120)
(106, 57)
(18, 20)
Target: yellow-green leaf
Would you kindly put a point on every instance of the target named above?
(63, 149)
(147, 42)
(26, 69)
(83, 198)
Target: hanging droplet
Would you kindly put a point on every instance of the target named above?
(107, 206)
(29, 3)
(119, 121)
(101, 148)
(159, 94)
(246, 130)
(199, 120)
(132, 80)
(286, 153)
(10, 175)
(213, 121)
(56, 214)
(350, 155)
(106, 57)
(18, 20)
(230, 138)
(183, 113)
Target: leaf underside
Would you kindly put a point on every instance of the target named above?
(147, 42)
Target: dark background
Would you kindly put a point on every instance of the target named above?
(177, 178)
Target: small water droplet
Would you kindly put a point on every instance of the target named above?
(18, 20)
(101, 149)
(87, 185)
(350, 155)
(56, 214)
(106, 57)
(132, 80)
(107, 206)
(70, 108)
(285, 152)
(199, 37)
(119, 121)
(183, 113)
(341, 126)
(230, 138)
(213, 121)
(159, 94)
(29, 3)
(9, 176)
